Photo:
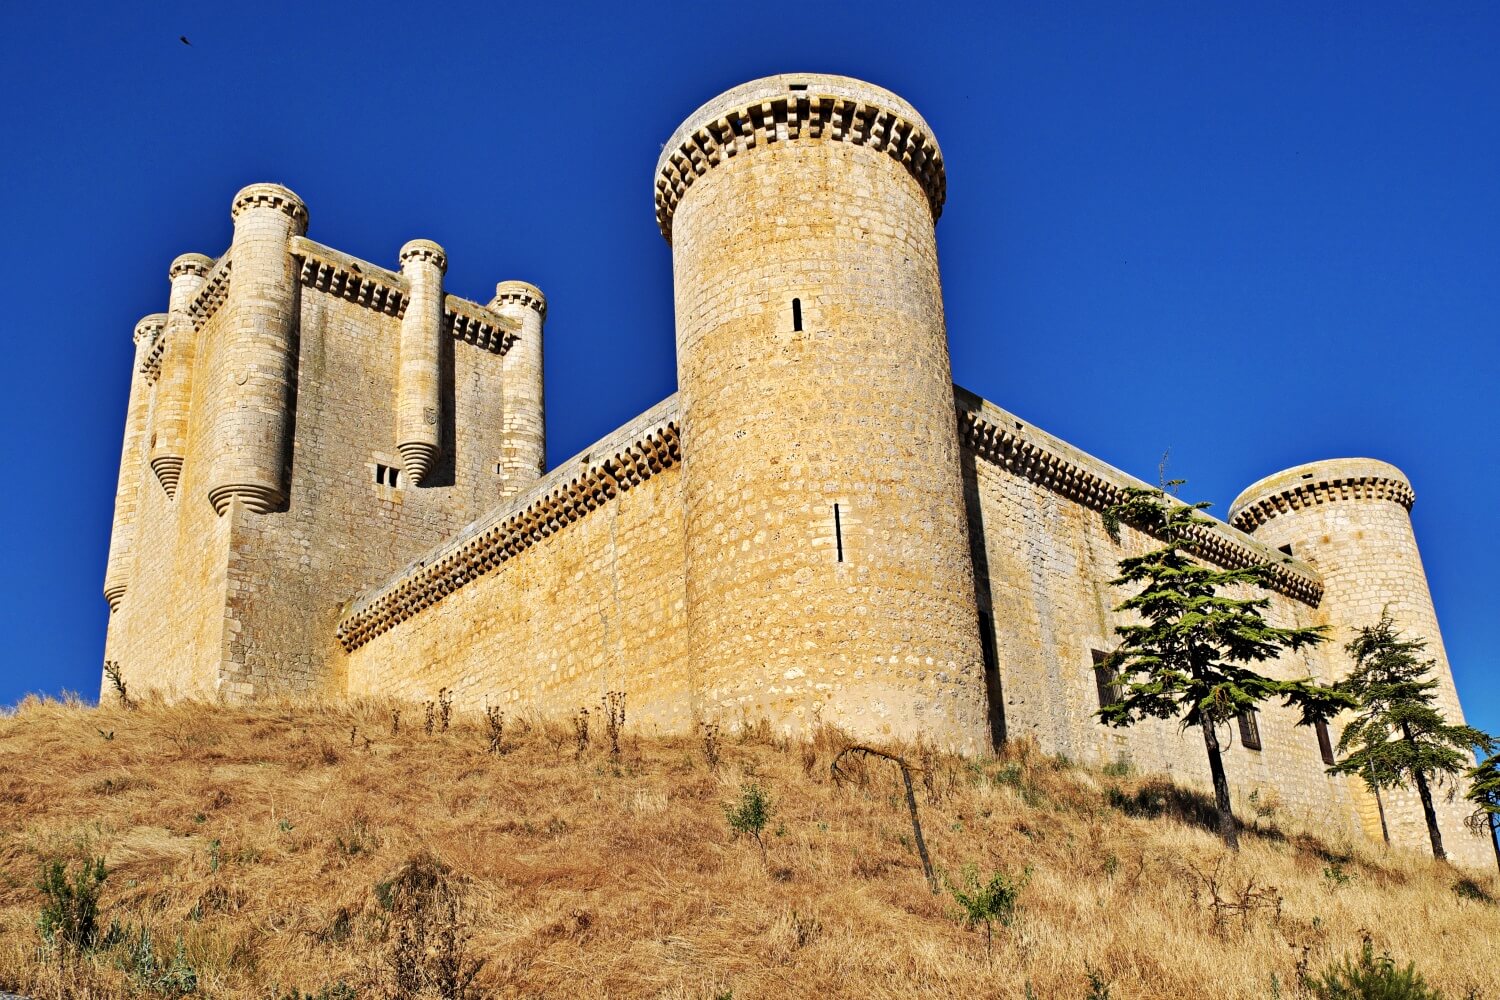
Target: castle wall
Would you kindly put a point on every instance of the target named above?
(570, 590)
(1043, 565)
(292, 572)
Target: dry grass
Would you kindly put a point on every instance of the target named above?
(268, 841)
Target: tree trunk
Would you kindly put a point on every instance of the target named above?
(1433, 833)
(1227, 828)
(1494, 824)
(1385, 831)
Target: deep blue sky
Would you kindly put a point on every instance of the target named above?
(1277, 224)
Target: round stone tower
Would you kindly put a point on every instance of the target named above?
(174, 391)
(419, 398)
(523, 457)
(828, 566)
(253, 368)
(1350, 518)
(118, 570)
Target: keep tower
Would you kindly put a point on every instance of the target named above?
(828, 566)
(1350, 519)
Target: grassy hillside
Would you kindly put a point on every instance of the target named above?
(275, 852)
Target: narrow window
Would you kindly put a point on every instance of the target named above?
(1325, 745)
(838, 531)
(1249, 730)
(1287, 548)
(380, 475)
(1105, 681)
(796, 315)
(395, 477)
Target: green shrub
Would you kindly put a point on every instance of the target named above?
(69, 921)
(1335, 875)
(1371, 978)
(987, 902)
(750, 814)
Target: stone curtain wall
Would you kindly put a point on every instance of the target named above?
(570, 590)
(1043, 563)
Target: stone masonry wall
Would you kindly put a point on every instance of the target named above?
(572, 589)
(1043, 563)
(292, 572)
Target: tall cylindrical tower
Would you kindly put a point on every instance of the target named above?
(1350, 518)
(174, 389)
(419, 386)
(524, 449)
(253, 366)
(828, 566)
(132, 453)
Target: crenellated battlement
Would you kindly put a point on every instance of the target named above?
(426, 251)
(325, 269)
(190, 263)
(797, 106)
(1319, 483)
(275, 196)
(521, 293)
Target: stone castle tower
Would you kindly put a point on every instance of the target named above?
(333, 483)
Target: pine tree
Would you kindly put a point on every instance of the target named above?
(1484, 792)
(1399, 735)
(1189, 656)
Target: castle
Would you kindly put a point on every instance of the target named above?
(333, 483)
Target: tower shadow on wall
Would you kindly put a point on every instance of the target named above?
(288, 442)
(444, 471)
(994, 695)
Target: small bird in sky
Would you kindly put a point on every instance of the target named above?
(183, 40)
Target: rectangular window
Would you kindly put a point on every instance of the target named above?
(1108, 685)
(796, 315)
(1325, 745)
(387, 475)
(1249, 731)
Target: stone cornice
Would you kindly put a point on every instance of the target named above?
(1317, 484)
(342, 276)
(1002, 439)
(875, 118)
(636, 452)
